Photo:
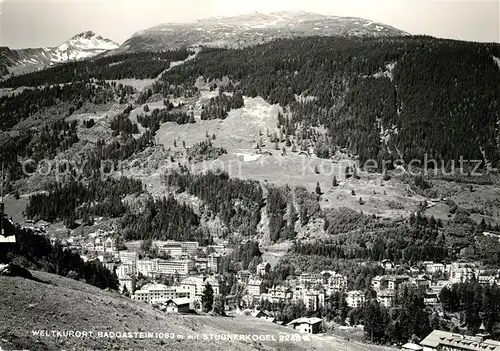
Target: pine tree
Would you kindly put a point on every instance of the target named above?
(318, 189)
(219, 305)
(207, 299)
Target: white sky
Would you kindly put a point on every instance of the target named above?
(38, 23)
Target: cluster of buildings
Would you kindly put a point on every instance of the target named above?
(424, 278)
(310, 288)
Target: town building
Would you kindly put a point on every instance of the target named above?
(255, 287)
(127, 282)
(190, 247)
(129, 257)
(263, 268)
(388, 265)
(442, 340)
(178, 305)
(214, 263)
(314, 300)
(196, 286)
(171, 248)
(355, 298)
(306, 325)
(125, 269)
(201, 263)
(386, 298)
(180, 267)
(159, 293)
(146, 266)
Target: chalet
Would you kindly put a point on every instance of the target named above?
(180, 305)
(306, 325)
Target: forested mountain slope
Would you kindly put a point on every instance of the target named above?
(382, 98)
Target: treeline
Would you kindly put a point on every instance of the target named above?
(434, 92)
(236, 202)
(141, 65)
(17, 107)
(219, 106)
(34, 251)
(77, 198)
(164, 219)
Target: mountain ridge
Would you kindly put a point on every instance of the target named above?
(252, 29)
(82, 45)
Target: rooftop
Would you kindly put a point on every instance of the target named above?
(303, 320)
(465, 342)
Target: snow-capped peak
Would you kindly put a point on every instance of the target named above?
(82, 45)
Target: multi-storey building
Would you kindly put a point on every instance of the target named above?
(157, 293)
(129, 257)
(180, 267)
(355, 298)
(214, 263)
(386, 297)
(190, 247)
(146, 266)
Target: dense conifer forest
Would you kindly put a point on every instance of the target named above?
(237, 202)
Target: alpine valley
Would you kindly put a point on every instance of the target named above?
(308, 141)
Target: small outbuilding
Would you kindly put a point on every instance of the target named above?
(180, 305)
(306, 325)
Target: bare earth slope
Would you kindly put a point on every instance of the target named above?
(62, 304)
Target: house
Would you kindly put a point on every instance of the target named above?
(180, 305)
(255, 287)
(355, 298)
(263, 268)
(442, 340)
(412, 347)
(306, 325)
(387, 265)
(386, 298)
